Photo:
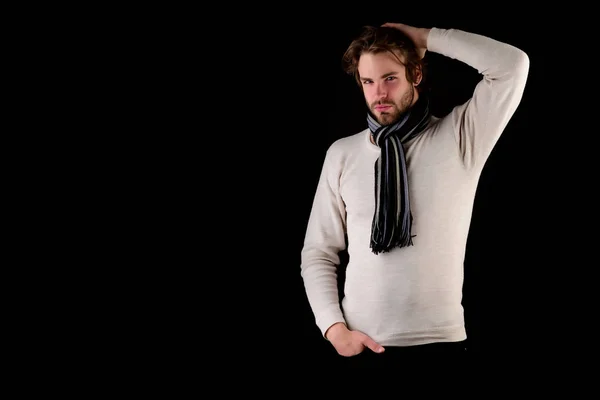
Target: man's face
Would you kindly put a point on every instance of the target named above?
(387, 92)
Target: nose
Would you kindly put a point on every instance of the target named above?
(380, 91)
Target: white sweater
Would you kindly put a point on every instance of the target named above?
(411, 295)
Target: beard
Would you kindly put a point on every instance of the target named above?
(396, 111)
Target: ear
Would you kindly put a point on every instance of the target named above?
(418, 76)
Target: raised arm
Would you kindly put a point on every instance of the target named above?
(479, 122)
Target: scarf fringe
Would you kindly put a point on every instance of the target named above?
(405, 241)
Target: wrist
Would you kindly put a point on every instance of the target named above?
(425, 37)
(335, 330)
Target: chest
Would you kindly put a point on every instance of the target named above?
(433, 167)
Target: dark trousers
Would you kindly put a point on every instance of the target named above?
(398, 356)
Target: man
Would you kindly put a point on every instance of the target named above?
(399, 195)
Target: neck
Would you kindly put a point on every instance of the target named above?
(415, 96)
(415, 99)
(408, 124)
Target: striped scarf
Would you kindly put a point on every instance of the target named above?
(393, 219)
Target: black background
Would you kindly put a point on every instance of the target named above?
(210, 127)
(271, 101)
(320, 104)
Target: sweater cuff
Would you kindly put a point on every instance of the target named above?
(436, 39)
(329, 317)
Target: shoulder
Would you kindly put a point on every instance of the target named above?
(434, 124)
(347, 145)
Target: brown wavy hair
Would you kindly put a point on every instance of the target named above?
(384, 39)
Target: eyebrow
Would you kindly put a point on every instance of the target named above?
(382, 76)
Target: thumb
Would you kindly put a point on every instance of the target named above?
(373, 345)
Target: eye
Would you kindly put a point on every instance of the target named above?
(390, 78)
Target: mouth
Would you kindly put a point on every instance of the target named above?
(382, 107)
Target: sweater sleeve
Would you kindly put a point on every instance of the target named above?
(479, 122)
(325, 238)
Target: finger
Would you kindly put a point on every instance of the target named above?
(373, 345)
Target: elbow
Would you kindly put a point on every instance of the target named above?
(517, 68)
(319, 258)
(521, 63)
